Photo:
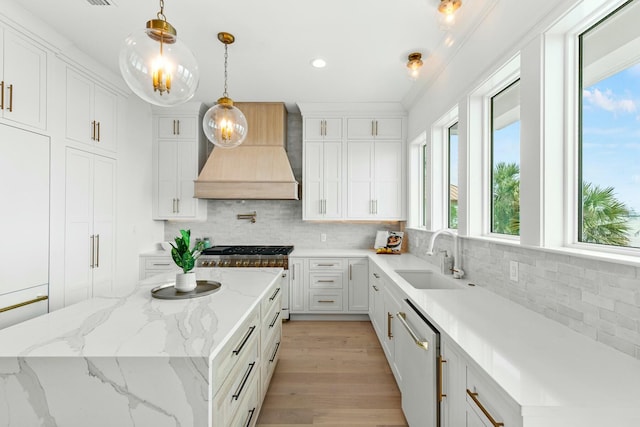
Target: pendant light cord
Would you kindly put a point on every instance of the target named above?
(225, 94)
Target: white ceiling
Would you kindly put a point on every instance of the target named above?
(365, 43)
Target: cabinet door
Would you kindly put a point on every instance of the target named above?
(105, 107)
(332, 179)
(166, 178)
(24, 160)
(358, 128)
(392, 331)
(187, 172)
(452, 370)
(358, 275)
(25, 68)
(297, 298)
(177, 127)
(360, 180)
(78, 254)
(388, 128)
(322, 128)
(388, 180)
(79, 108)
(313, 178)
(104, 213)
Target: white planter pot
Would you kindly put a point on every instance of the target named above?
(185, 282)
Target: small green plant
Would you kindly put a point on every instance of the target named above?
(184, 257)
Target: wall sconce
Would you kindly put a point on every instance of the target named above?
(414, 65)
(448, 9)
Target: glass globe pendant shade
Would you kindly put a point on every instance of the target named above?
(157, 66)
(225, 125)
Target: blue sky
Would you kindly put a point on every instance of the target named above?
(611, 135)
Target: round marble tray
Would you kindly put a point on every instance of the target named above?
(168, 291)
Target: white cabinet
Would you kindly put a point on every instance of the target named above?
(325, 287)
(486, 404)
(376, 300)
(374, 128)
(358, 274)
(451, 376)
(91, 112)
(90, 225)
(318, 129)
(23, 79)
(178, 155)
(297, 295)
(155, 263)
(392, 305)
(322, 180)
(375, 180)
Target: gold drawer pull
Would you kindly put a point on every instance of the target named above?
(22, 304)
(420, 343)
(389, 317)
(326, 281)
(493, 422)
(326, 300)
(441, 363)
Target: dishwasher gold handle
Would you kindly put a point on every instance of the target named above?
(420, 343)
(492, 420)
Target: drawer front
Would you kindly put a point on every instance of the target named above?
(23, 305)
(325, 300)
(240, 344)
(328, 280)
(490, 403)
(326, 264)
(273, 299)
(269, 360)
(159, 263)
(237, 386)
(270, 324)
(247, 412)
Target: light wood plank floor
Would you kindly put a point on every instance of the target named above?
(331, 374)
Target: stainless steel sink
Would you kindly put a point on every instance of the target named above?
(428, 279)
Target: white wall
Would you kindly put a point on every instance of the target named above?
(598, 297)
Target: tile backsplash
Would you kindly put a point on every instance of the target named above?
(599, 299)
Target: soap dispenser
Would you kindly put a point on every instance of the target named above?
(446, 264)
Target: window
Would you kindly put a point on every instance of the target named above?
(609, 130)
(425, 186)
(452, 137)
(505, 161)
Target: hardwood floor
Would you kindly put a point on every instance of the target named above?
(331, 374)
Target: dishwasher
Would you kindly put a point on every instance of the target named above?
(418, 350)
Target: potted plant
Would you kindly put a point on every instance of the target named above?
(185, 258)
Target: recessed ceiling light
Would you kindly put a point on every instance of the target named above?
(319, 63)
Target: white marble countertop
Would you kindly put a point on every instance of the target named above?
(547, 368)
(136, 324)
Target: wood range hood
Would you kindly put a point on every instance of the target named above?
(257, 169)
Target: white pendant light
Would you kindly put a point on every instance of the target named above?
(157, 66)
(223, 124)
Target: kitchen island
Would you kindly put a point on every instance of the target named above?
(128, 360)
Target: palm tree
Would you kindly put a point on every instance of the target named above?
(506, 199)
(604, 218)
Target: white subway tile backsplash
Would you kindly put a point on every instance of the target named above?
(599, 299)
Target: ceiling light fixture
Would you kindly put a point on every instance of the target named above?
(157, 66)
(414, 65)
(319, 63)
(448, 9)
(223, 124)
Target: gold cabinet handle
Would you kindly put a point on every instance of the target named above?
(178, 122)
(420, 343)
(174, 127)
(389, 317)
(178, 205)
(492, 420)
(293, 273)
(326, 281)
(372, 129)
(350, 268)
(325, 265)
(22, 304)
(97, 250)
(98, 133)
(376, 128)
(326, 300)
(92, 239)
(2, 95)
(10, 98)
(441, 363)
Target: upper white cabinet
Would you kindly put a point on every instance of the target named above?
(353, 165)
(178, 155)
(322, 180)
(23, 79)
(91, 112)
(318, 129)
(375, 180)
(374, 128)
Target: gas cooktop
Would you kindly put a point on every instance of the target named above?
(248, 250)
